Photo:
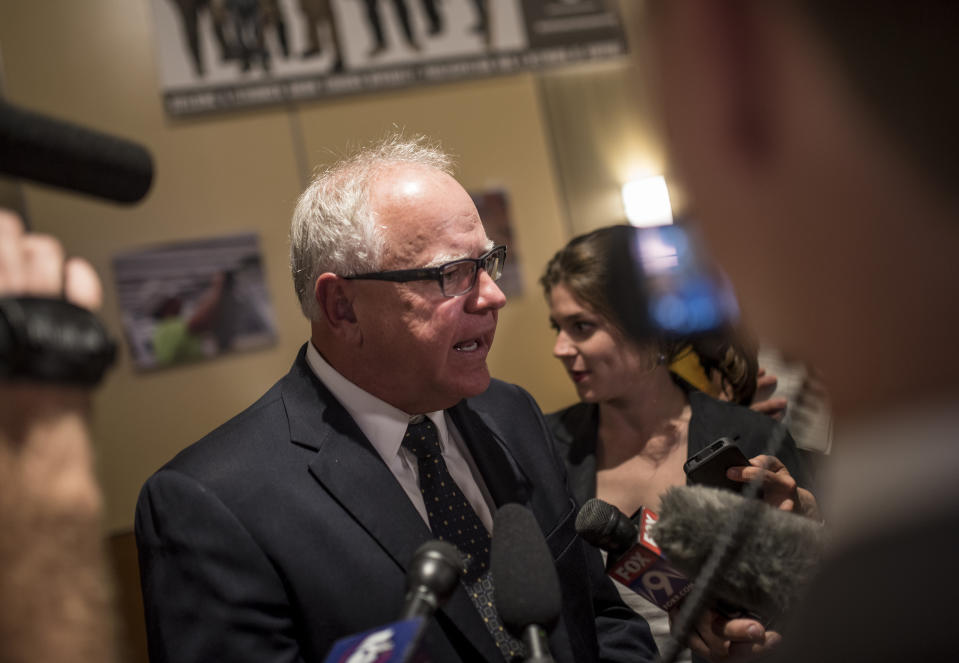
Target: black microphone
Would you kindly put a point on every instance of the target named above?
(604, 526)
(525, 584)
(776, 556)
(62, 154)
(432, 578)
(634, 559)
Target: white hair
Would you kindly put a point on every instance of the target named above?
(334, 228)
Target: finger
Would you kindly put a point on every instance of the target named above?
(697, 645)
(770, 406)
(781, 480)
(767, 462)
(82, 285)
(744, 473)
(763, 380)
(694, 639)
(807, 504)
(740, 630)
(42, 264)
(748, 651)
(708, 632)
(11, 236)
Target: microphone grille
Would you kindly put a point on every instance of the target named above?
(524, 573)
(604, 526)
(437, 566)
(593, 516)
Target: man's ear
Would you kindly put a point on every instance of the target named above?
(335, 299)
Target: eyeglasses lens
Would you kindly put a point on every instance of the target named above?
(494, 265)
(460, 277)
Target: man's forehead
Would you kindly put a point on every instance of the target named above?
(434, 253)
(442, 256)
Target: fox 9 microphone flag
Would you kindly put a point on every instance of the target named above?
(393, 643)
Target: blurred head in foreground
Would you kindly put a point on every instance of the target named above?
(817, 139)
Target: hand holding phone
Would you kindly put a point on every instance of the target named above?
(708, 467)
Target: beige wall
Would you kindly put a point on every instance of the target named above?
(93, 62)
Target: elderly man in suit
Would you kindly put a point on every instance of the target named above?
(293, 524)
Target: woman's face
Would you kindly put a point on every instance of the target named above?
(599, 361)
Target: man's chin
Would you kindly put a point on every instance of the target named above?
(476, 385)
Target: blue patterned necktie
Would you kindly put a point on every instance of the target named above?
(453, 519)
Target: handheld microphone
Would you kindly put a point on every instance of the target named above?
(633, 558)
(776, 557)
(526, 587)
(432, 577)
(61, 154)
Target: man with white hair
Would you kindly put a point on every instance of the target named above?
(293, 524)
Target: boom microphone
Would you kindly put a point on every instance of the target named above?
(61, 154)
(775, 559)
(526, 587)
(432, 578)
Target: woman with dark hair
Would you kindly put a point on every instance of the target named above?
(637, 422)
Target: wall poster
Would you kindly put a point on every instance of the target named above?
(194, 300)
(222, 54)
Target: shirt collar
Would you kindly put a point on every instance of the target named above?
(383, 424)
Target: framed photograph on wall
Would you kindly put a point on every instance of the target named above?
(194, 300)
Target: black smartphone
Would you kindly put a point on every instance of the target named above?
(708, 467)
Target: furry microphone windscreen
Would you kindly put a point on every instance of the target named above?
(779, 552)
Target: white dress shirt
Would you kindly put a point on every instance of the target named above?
(385, 426)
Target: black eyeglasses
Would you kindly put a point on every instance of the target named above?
(455, 278)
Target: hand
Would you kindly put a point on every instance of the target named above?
(779, 487)
(44, 446)
(52, 573)
(34, 265)
(718, 638)
(765, 388)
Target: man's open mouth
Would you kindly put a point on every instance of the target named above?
(467, 346)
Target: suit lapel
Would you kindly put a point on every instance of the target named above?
(349, 468)
(504, 478)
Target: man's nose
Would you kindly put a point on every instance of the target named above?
(487, 292)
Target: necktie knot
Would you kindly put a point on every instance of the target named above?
(422, 440)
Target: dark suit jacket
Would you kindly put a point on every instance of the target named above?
(283, 530)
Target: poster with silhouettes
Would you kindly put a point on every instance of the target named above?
(190, 301)
(222, 54)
